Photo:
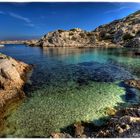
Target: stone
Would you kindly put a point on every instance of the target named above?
(13, 75)
(79, 130)
(133, 83)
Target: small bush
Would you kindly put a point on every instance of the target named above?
(60, 31)
(127, 36)
(74, 38)
(82, 35)
(71, 33)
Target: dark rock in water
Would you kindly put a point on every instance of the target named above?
(133, 83)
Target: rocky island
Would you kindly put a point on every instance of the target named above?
(119, 33)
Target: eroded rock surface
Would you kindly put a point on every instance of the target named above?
(124, 124)
(13, 75)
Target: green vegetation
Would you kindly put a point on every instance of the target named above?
(127, 36)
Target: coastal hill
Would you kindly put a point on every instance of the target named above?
(124, 32)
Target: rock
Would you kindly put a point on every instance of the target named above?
(133, 83)
(111, 111)
(124, 124)
(13, 75)
(135, 43)
(119, 33)
(60, 135)
(79, 130)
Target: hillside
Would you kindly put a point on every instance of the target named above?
(124, 32)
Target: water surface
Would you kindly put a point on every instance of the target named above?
(71, 85)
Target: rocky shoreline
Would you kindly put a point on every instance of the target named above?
(124, 32)
(3, 42)
(123, 123)
(13, 76)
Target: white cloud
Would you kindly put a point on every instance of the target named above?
(30, 25)
(27, 21)
(115, 10)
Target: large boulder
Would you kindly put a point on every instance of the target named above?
(13, 75)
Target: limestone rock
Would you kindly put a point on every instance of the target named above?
(119, 33)
(13, 75)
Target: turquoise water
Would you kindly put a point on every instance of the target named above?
(71, 85)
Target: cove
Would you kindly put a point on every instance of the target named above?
(69, 85)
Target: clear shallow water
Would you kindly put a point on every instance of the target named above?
(70, 85)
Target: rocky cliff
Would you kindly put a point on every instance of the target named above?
(119, 33)
(13, 75)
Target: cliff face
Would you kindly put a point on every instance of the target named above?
(13, 75)
(119, 33)
(123, 32)
(61, 38)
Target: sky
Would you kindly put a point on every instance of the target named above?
(33, 20)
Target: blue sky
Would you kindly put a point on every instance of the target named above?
(32, 20)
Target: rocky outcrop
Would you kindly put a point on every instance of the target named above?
(61, 38)
(30, 42)
(123, 32)
(13, 75)
(119, 33)
(123, 124)
(133, 83)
